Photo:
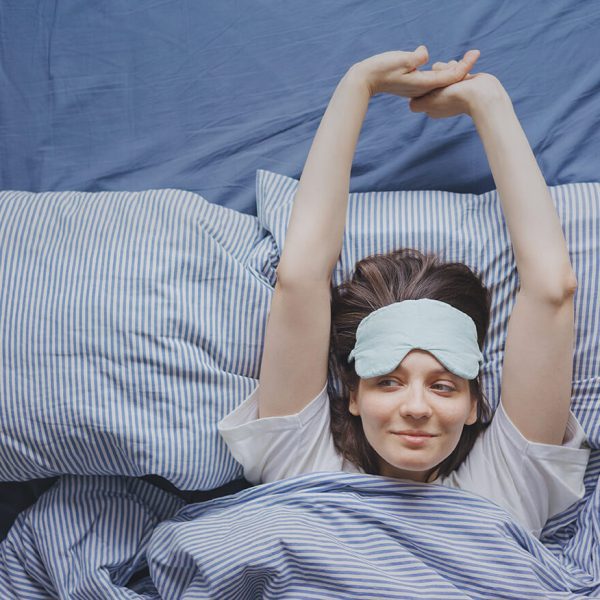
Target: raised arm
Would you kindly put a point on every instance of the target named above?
(296, 347)
(536, 234)
(319, 211)
(538, 359)
(315, 232)
(537, 368)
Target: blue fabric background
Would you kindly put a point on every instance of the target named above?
(197, 95)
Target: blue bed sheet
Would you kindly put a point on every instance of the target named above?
(198, 95)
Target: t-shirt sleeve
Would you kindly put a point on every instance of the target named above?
(274, 448)
(530, 480)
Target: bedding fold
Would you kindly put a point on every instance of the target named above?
(323, 535)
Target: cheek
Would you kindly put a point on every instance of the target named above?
(457, 411)
(375, 411)
(455, 416)
(452, 416)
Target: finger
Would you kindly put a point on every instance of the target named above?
(439, 65)
(467, 61)
(419, 56)
(442, 77)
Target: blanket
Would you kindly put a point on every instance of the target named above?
(322, 535)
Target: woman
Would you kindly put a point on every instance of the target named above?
(405, 334)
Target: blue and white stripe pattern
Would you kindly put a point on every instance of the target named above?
(133, 322)
(470, 229)
(320, 536)
(130, 323)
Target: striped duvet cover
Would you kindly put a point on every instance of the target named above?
(133, 322)
(322, 535)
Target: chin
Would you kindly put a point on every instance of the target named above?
(412, 467)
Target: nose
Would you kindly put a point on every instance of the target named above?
(415, 403)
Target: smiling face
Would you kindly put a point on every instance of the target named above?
(419, 395)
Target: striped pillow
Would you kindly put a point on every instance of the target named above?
(132, 322)
(471, 229)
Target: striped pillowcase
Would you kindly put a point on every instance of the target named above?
(469, 228)
(132, 322)
(130, 325)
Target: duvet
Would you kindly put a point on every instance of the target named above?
(322, 535)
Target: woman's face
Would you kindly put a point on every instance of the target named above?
(420, 394)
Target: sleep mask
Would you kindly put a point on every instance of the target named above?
(387, 335)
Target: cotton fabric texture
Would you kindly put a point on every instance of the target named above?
(385, 336)
(120, 354)
(531, 481)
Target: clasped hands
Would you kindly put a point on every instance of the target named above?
(448, 89)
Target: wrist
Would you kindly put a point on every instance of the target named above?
(489, 98)
(357, 76)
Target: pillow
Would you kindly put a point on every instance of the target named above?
(468, 228)
(132, 322)
(130, 325)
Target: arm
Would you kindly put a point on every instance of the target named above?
(535, 230)
(319, 212)
(294, 363)
(537, 367)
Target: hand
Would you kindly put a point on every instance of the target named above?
(461, 97)
(396, 72)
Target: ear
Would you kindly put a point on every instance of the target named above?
(353, 405)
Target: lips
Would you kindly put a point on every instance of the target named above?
(414, 433)
(414, 440)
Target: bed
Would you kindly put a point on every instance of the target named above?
(149, 157)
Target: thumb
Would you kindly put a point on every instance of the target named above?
(420, 56)
(421, 103)
(414, 106)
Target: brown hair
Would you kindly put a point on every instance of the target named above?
(378, 281)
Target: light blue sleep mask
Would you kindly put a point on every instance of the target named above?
(387, 335)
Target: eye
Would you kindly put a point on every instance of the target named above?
(392, 381)
(447, 387)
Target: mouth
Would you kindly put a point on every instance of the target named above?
(414, 433)
(414, 439)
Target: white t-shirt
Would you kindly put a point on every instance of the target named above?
(531, 481)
